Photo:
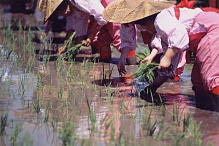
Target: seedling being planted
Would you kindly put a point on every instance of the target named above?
(71, 48)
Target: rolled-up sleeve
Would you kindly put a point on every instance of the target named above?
(96, 9)
(172, 31)
(157, 43)
(128, 36)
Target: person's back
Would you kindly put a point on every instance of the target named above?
(207, 61)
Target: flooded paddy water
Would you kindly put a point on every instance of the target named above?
(84, 102)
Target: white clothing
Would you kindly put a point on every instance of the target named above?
(172, 31)
(92, 7)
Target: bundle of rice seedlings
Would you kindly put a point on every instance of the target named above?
(72, 49)
(142, 54)
(145, 71)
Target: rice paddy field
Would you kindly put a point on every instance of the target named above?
(59, 100)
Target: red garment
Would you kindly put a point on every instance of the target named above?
(107, 35)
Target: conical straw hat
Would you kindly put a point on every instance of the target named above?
(48, 7)
(125, 11)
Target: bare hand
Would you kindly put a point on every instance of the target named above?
(68, 10)
(43, 36)
(61, 50)
(87, 42)
(147, 60)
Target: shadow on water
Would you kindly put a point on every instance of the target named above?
(208, 102)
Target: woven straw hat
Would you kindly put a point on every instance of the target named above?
(125, 11)
(48, 7)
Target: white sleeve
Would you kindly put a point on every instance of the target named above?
(157, 43)
(93, 7)
(172, 31)
(128, 36)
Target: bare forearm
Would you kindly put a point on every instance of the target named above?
(171, 52)
(166, 60)
(153, 53)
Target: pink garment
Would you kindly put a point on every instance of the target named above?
(207, 56)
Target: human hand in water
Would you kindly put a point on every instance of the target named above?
(87, 42)
(43, 36)
(61, 50)
(147, 59)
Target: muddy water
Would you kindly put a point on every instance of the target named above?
(102, 107)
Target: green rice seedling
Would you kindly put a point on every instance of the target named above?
(72, 49)
(67, 134)
(46, 118)
(60, 93)
(163, 130)
(22, 86)
(142, 54)
(112, 133)
(37, 105)
(192, 132)
(91, 115)
(146, 71)
(176, 115)
(151, 126)
(110, 94)
(14, 136)
(186, 122)
(122, 105)
(4, 119)
(178, 139)
(121, 140)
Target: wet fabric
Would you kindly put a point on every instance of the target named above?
(207, 55)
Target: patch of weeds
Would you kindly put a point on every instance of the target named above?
(142, 54)
(71, 48)
(176, 115)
